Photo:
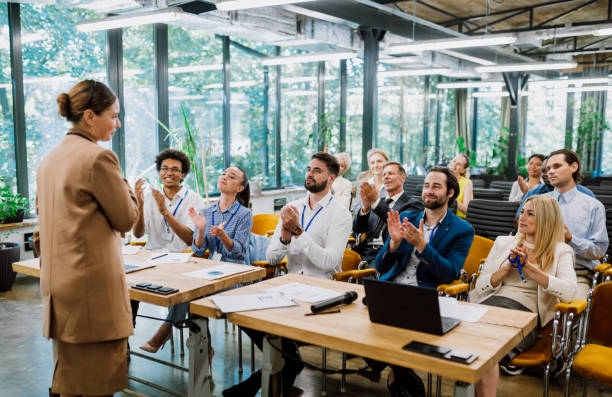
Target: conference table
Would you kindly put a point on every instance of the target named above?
(189, 288)
(351, 331)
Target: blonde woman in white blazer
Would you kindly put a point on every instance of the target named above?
(547, 275)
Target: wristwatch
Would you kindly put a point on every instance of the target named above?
(296, 231)
(284, 242)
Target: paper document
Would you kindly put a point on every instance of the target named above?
(305, 292)
(129, 249)
(449, 307)
(219, 271)
(171, 257)
(240, 303)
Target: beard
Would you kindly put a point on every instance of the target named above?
(435, 204)
(315, 187)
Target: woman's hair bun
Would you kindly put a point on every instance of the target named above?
(63, 100)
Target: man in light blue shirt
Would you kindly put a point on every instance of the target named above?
(584, 217)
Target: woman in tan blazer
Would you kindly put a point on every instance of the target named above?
(83, 205)
(546, 275)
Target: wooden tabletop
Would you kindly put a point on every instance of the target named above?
(351, 331)
(168, 275)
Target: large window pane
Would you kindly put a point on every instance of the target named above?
(331, 119)
(196, 98)
(546, 111)
(489, 124)
(140, 123)
(7, 152)
(354, 114)
(55, 57)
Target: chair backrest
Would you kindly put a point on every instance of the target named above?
(491, 218)
(478, 183)
(350, 260)
(606, 200)
(504, 186)
(481, 246)
(609, 229)
(411, 182)
(600, 326)
(488, 194)
(605, 190)
(264, 224)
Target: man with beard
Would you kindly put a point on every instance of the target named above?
(427, 248)
(371, 218)
(312, 233)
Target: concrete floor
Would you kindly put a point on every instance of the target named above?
(26, 364)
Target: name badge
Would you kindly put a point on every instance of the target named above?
(167, 236)
(216, 256)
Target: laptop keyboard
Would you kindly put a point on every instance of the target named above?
(448, 323)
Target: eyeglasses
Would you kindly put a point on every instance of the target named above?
(173, 170)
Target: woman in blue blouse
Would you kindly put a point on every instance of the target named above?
(222, 228)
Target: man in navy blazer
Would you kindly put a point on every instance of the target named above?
(428, 247)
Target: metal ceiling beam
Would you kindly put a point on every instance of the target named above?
(500, 20)
(571, 10)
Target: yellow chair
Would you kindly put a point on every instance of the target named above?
(265, 224)
(478, 253)
(139, 243)
(592, 355)
(350, 268)
(601, 273)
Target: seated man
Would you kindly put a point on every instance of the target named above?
(584, 217)
(312, 233)
(371, 218)
(163, 215)
(427, 248)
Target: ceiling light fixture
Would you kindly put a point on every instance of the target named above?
(445, 44)
(567, 82)
(399, 60)
(163, 15)
(587, 89)
(295, 42)
(412, 72)
(603, 32)
(526, 67)
(305, 58)
(232, 5)
(466, 57)
(472, 84)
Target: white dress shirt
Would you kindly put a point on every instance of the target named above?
(318, 251)
(160, 234)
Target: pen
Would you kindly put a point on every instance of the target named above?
(158, 256)
(329, 312)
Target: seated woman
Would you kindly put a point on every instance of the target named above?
(459, 166)
(545, 277)
(223, 228)
(534, 178)
(374, 176)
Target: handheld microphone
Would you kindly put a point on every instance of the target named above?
(345, 299)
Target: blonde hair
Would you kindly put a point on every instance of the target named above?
(549, 229)
(368, 174)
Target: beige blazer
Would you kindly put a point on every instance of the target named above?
(83, 203)
(561, 277)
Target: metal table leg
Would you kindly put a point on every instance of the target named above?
(200, 382)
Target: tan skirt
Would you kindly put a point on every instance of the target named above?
(94, 369)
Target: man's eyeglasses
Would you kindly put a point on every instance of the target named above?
(173, 170)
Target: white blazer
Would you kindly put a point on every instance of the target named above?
(561, 277)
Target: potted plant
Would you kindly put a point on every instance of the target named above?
(12, 205)
(9, 253)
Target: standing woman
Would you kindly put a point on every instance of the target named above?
(534, 178)
(459, 166)
(83, 205)
(224, 229)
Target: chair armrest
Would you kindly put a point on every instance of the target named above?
(602, 268)
(269, 233)
(576, 307)
(355, 274)
(454, 288)
(139, 243)
(267, 264)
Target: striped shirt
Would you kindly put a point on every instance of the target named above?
(239, 221)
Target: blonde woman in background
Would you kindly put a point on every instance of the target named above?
(545, 277)
(374, 176)
(459, 165)
(342, 187)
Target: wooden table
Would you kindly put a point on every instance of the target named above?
(171, 275)
(351, 331)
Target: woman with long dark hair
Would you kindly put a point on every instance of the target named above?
(223, 229)
(83, 205)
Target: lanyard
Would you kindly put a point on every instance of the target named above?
(314, 216)
(518, 264)
(432, 233)
(176, 209)
(217, 241)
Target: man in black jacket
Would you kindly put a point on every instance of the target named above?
(371, 218)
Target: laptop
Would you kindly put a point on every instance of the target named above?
(406, 306)
(136, 266)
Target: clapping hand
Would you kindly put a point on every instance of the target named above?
(522, 184)
(368, 194)
(161, 201)
(394, 227)
(139, 191)
(198, 219)
(289, 217)
(218, 231)
(520, 252)
(414, 236)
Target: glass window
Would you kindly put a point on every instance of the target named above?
(55, 57)
(606, 144)
(331, 119)
(196, 102)
(140, 122)
(298, 121)
(448, 126)
(7, 144)
(489, 125)
(354, 114)
(546, 111)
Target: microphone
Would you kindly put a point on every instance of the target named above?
(345, 299)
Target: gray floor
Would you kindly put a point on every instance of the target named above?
(25, 368)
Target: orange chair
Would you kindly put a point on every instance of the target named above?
(592, 354)
(350, 268)
(265, 225)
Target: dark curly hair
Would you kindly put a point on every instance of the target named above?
(174, 155)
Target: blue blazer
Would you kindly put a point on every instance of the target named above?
(442, 258)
